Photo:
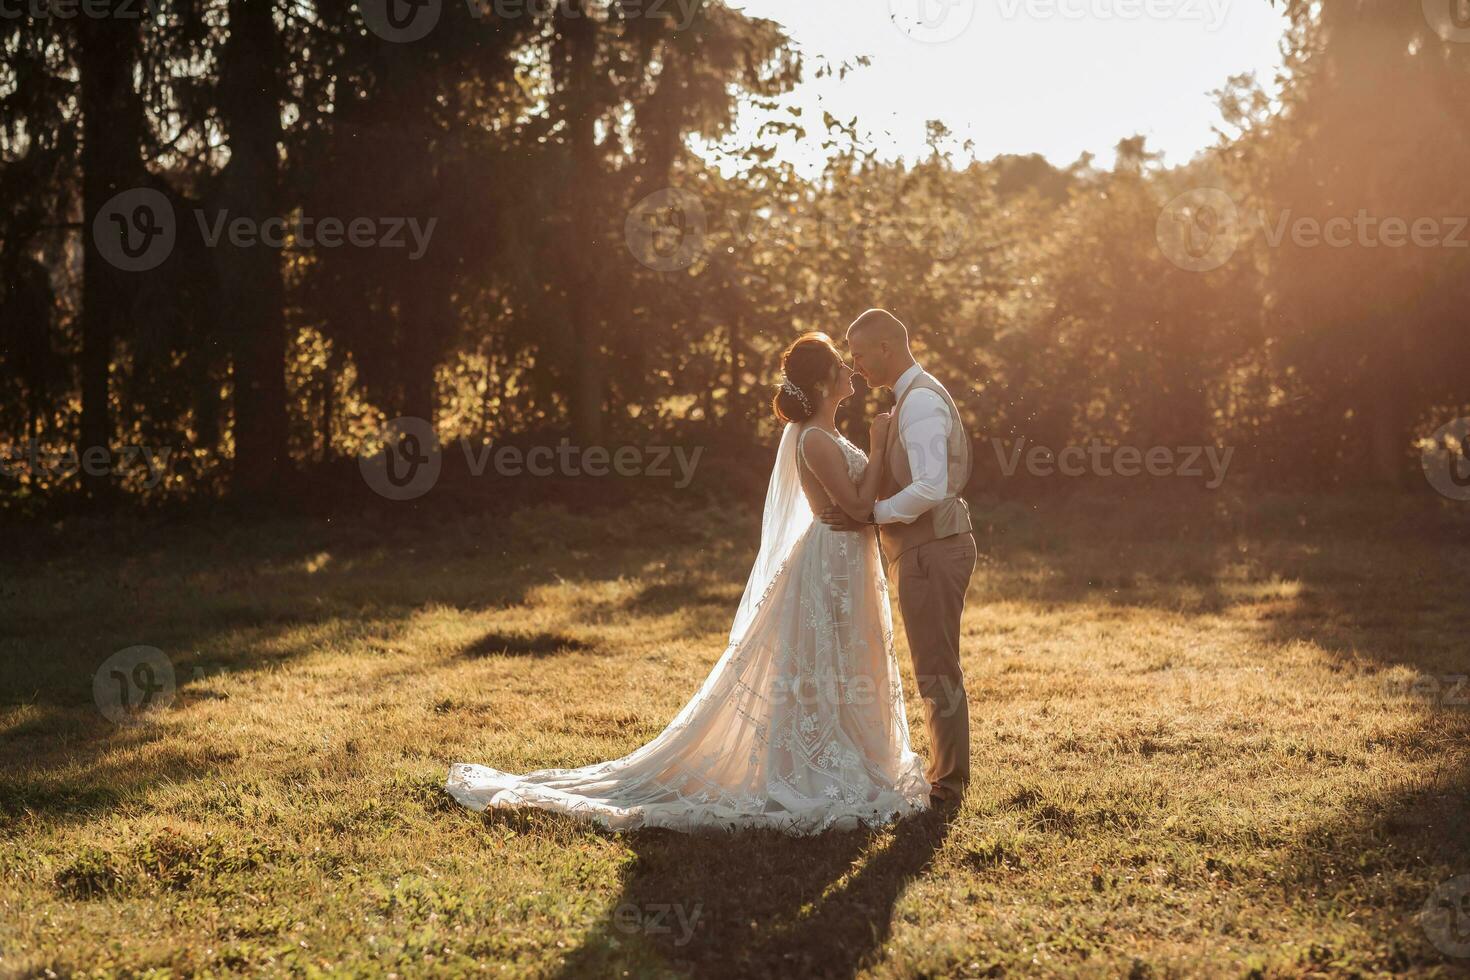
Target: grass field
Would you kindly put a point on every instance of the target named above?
(1209, 740)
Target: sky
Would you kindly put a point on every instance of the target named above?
(1055, 77)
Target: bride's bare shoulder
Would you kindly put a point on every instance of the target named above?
(827, 445)
(824, 455)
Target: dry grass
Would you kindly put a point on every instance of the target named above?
(1208, 739)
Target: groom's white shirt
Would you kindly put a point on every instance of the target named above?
(923, 421)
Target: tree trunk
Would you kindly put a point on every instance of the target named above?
(589, 388)
(734, 398)
(1390, 430)
(111, 161)
(329, 405)
(424, 324)
(250, 276)
(579, 34)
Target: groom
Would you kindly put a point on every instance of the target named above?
(924, 526)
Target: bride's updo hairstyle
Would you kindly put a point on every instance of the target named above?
(805, 366)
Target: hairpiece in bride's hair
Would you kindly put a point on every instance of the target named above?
(792, 389)
(806, 368)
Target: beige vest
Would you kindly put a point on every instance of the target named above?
(952, 514)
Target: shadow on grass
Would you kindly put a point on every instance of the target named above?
(761, 903)
(497, 644)
(663, 598)
(1371, 597)
(1376, 591)
(231, 602)
(1387, 609)
(107, 780)
(1396, 864)
(1196, 556)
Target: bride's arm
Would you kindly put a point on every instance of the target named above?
(877, 460)
(829, 464)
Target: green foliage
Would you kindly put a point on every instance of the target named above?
(1043, 290)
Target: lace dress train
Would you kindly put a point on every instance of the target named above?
(799, 727)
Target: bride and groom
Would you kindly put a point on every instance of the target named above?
(801, 725)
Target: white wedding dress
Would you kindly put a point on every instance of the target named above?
(800, 726)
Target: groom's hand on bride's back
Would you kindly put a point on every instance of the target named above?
(836, 518)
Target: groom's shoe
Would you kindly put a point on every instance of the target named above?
(943, 802)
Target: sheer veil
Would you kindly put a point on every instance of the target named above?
(787, 517)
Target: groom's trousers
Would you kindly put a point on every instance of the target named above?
(932, 581)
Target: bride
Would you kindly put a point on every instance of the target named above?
(800, 726)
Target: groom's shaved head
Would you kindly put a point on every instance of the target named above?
(879, 343)
(882, 326)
